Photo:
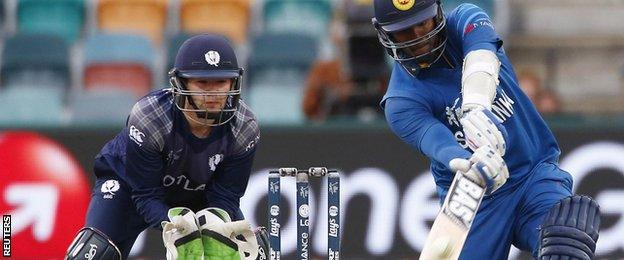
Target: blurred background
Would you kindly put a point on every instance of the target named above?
(70, 70)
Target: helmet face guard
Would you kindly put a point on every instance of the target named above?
(402, 51)
(184, 98)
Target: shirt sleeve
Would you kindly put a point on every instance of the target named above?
(474, 28)
(414, 123)
(144, 162)
(230, 182)
(143, 170)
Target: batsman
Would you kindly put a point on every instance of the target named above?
(453, 95)
(181, 165)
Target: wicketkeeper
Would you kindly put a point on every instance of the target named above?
(181, 164)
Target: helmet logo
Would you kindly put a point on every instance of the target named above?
(212, 57)
(403, 5)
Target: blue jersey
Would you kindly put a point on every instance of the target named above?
(424, 111)
(167, 166)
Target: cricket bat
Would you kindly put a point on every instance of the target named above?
(450, 228)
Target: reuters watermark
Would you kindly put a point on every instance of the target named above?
(6, 235)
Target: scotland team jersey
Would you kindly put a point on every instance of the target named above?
(167, 166)
(425, 111)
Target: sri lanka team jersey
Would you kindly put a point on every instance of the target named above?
(424, 111)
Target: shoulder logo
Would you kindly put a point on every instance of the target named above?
(403, 5)
(252, 143)
(212, 57)
(109, 188)
(136, 135)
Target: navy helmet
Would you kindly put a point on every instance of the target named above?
(393, 16)
(206, 56)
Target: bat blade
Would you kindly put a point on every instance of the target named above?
(451, 226)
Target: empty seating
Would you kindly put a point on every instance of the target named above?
(227, 17)
(278, 67)
(118, 61)
(284, 51)
(310, 17)
(144, 17)
(2, 17)
(31, 106)
(358, 15)
(86, 107)
(64, 18)
(276, 104)
(486, 5)
(35, 60)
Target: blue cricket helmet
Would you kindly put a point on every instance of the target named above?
(393, 16)
(206, 56)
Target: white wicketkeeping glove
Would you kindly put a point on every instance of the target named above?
(181, 235)
(489, 165)
(220, 236)
(483, 128)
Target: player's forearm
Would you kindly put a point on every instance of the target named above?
(439, 144)
(479, 79)
(232, 207)
(230, 184)
(150, 205)
(220, 196)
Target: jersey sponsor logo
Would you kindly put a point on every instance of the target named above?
(136, 135)
(502, 107)
(403, 5)
(183, 182)
(212, 57)
(214, 161)
(464, 201)
(252, 143)
(109, 188)
(472, 26)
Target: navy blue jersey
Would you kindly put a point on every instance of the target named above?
(167, 166)
(424, 111)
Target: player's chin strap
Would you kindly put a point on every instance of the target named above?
(570, 231)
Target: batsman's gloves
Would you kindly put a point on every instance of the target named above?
(485, 165)
(482, 128)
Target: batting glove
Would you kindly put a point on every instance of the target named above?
(482, 128)
(488, 164)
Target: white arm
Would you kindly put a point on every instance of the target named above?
(479, 79)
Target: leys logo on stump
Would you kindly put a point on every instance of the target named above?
(403, 5)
